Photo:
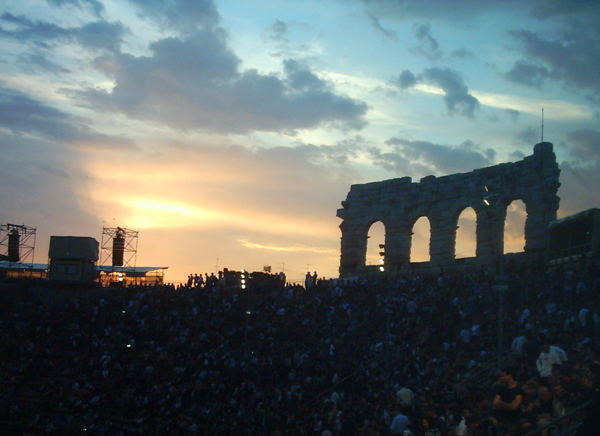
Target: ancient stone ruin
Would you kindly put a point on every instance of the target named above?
(399, 203)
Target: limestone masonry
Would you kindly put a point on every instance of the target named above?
(399, 203)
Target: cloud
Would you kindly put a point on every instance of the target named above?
(195, 83)
(571, 59)
(40, 188)
(436, 9)
(27, 29)
(579, 188)
(246, 193)
(300, 78)
(100, 34)
(443, 158)
(457, 97)
(512, 113)
(527, 74)
(405, 80)
(450, 83)
(376, 24)
(94, 35)
(584, 144)
(528, 136)
(339, 153)
(428, 45)
(24, 116)
(290, 248)
(552, 8)
(461, 53)
(395, 162)
(517, 155)
(182, 16)
(277, 32)
(96, 6)
(37, 61)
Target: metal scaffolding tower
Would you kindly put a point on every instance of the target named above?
(17, 243)
(119, 246)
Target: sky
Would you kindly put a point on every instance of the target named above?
(228, 132)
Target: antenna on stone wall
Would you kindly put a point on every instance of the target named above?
(542, 125)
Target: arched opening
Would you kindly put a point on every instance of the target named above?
(421, 237)
(375, 237)
(466, 234)
(514, 227)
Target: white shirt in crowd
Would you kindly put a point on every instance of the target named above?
(545, 360)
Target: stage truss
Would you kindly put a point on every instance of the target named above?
(129, 248)
(26, 242)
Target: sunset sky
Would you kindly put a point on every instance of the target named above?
(228, 132)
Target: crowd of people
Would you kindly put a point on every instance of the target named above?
(413, 355)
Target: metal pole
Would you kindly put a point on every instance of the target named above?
(501, 287)
(500, 325)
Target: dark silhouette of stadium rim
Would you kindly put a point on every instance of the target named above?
(399, 203)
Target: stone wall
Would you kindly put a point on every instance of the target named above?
(398, 203)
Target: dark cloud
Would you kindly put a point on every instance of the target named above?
(490, 153)
(405, 80)
(339, 153)
(277, 32)
(95, 5)
(580, 185)
(428, 45)
(180, 15)
(552, 8)
(395, 162)
(100, 34)
(527, 74)
(572, 58)
(39, 188)
(376, 24)
(584, 144)
(194, 83)
(457, 98)
(300, 78)
(461, 53)
(94, 35)
(24, 116)
(30, 30)
(443, 158)
(37, 61)
(466, 11)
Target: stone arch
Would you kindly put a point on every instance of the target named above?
(420, 227)
(466, 233)
(375, 236)
(514, 227)
(534, 180)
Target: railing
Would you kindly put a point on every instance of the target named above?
(566, 424)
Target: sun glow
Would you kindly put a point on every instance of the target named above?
(158, 213)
